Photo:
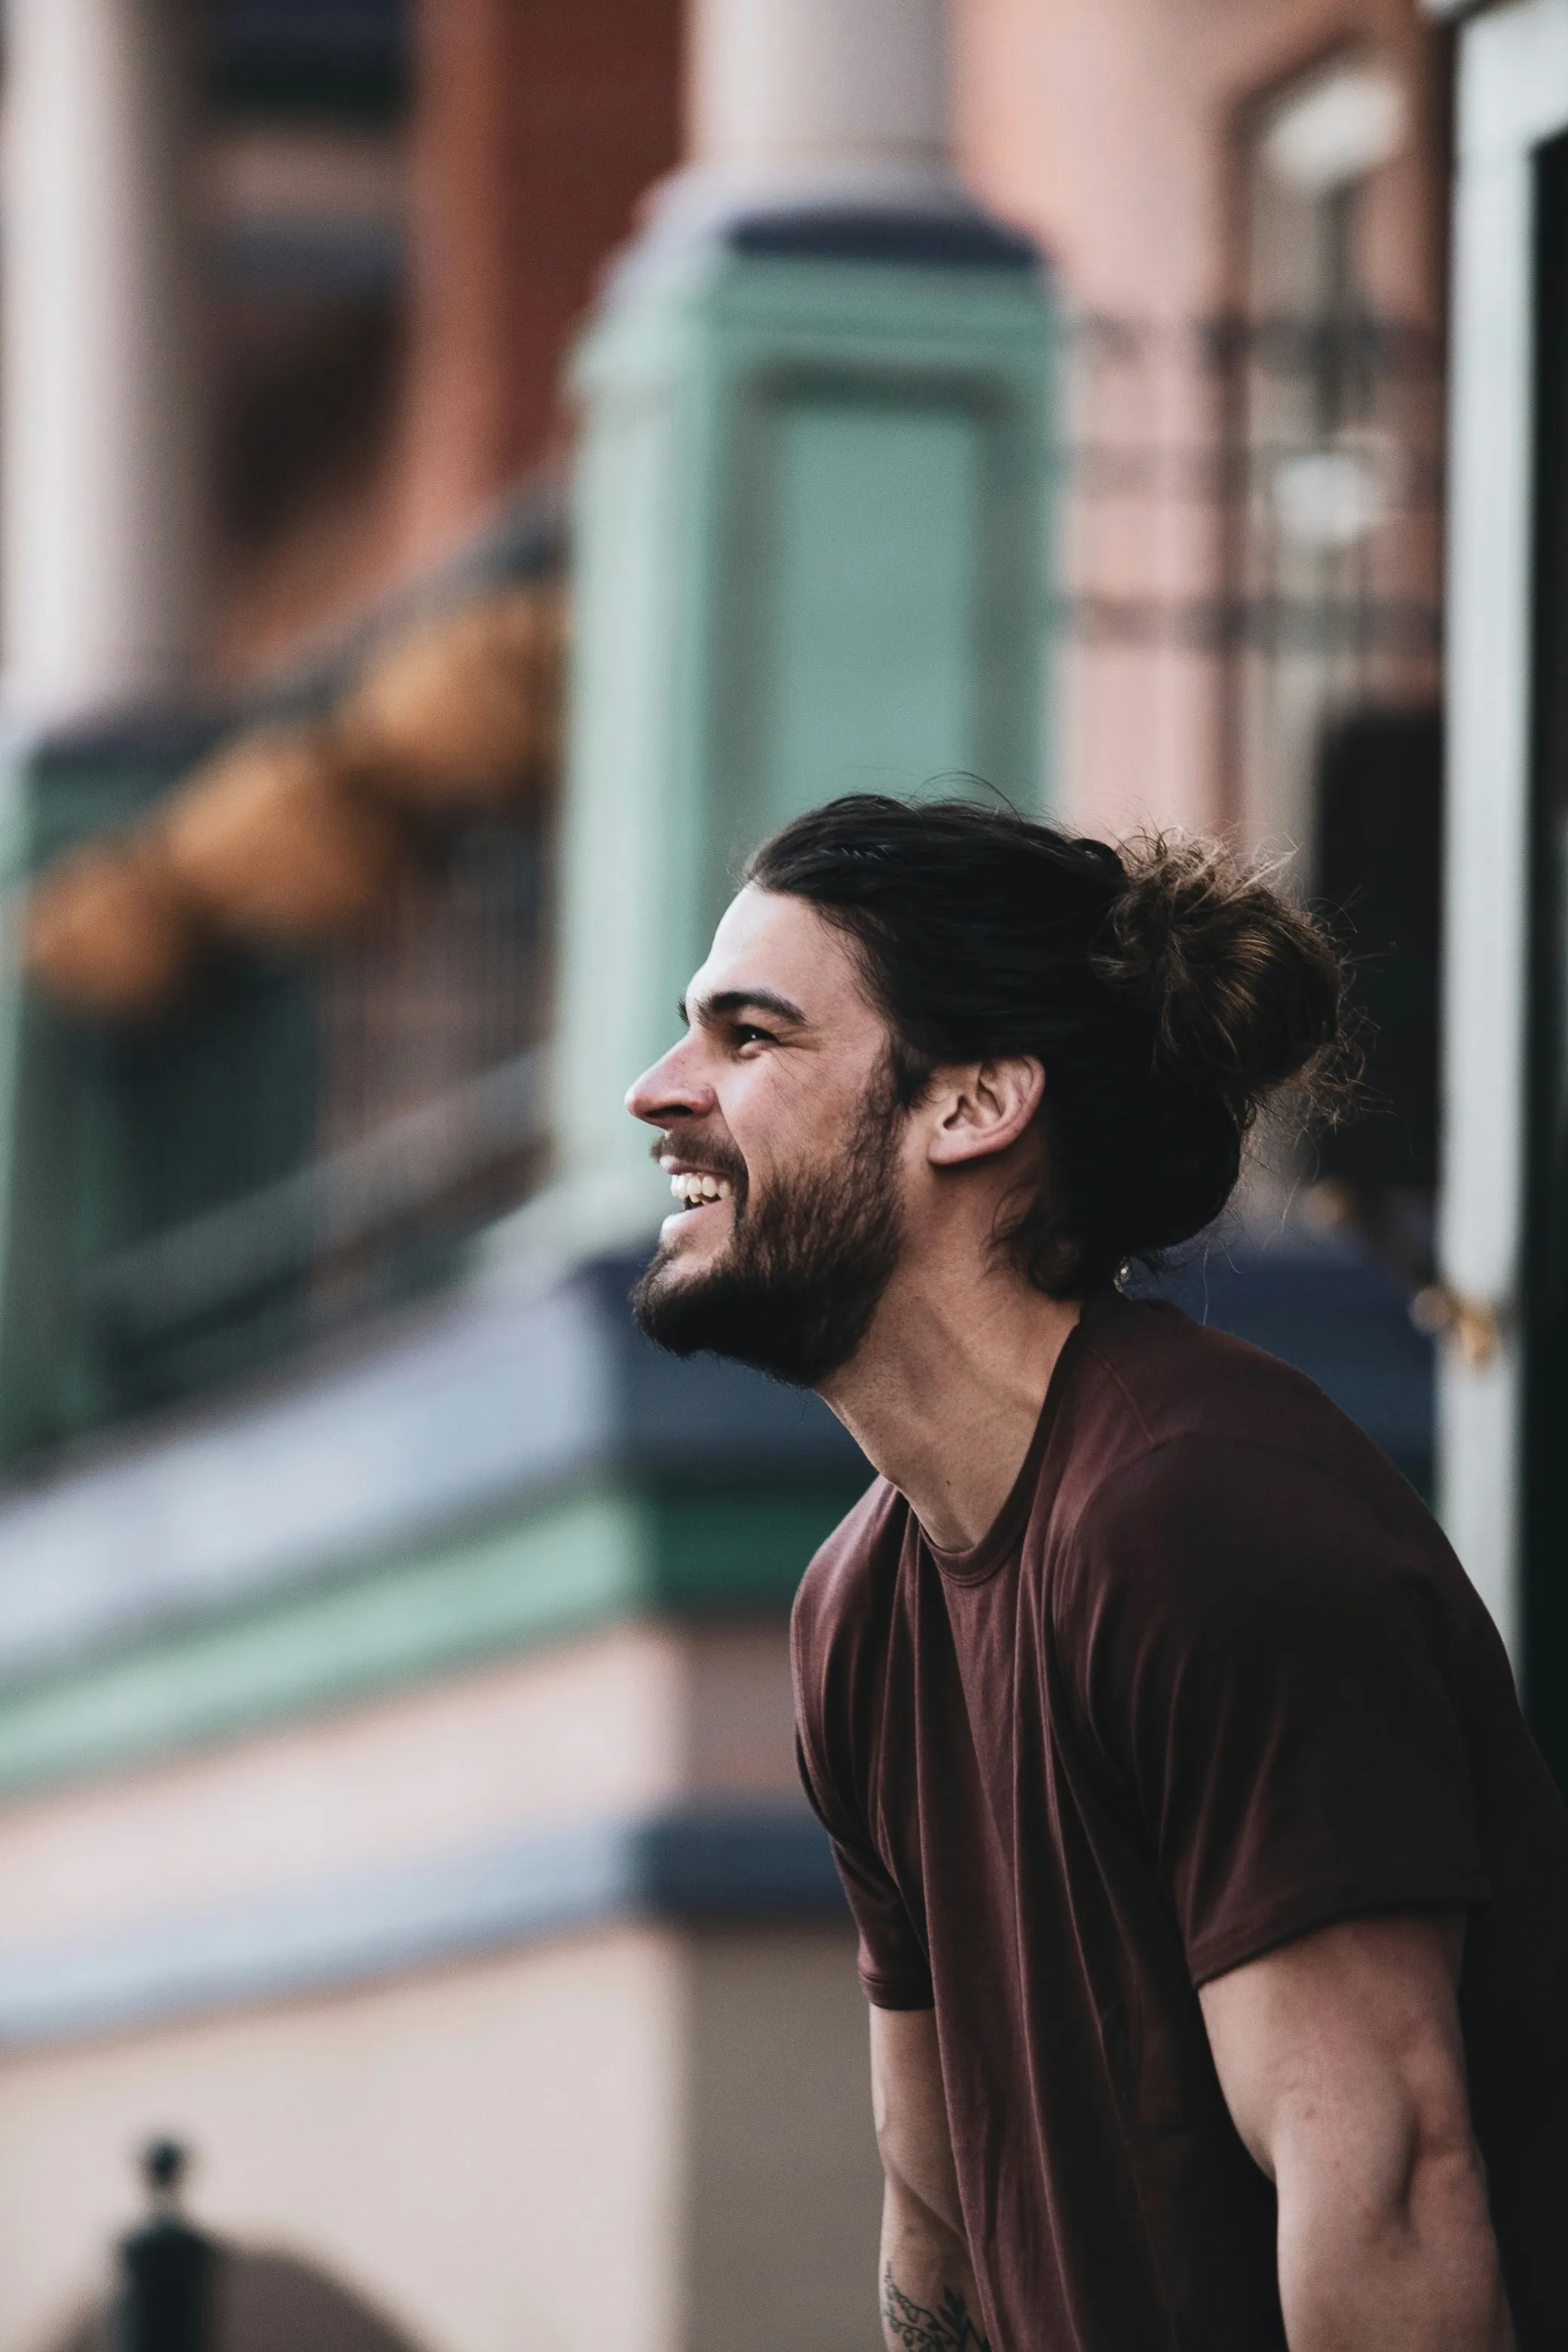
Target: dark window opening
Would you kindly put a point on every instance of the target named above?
(1544, 1286)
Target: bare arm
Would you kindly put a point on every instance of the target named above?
(1340, 2059)
(928, 2298)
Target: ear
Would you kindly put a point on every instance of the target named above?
(980, 1110)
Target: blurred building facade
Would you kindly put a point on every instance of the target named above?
(395, 1753)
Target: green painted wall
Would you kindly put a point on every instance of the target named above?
(863, 670)
(582, 1561)
(811, 556)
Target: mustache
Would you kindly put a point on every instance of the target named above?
(718, 1156)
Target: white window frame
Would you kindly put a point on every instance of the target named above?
(1513, 98)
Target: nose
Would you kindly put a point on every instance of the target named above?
(671, 1090)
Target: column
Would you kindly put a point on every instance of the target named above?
(809, 551)
(809, 88)
(795, 104)
(103, 458)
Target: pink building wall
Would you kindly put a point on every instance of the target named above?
(1114, 131)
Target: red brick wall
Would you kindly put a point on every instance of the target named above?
(539, 125)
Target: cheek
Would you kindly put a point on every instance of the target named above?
(803, 1124)
(776, 1122)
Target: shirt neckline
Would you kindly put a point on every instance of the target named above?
(983, 1559)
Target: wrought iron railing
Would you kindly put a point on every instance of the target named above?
(296, 1139)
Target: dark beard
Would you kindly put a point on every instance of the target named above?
(794, 1293)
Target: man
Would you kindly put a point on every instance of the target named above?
(1213, 1899)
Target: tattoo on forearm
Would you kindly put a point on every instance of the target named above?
(911, 2326)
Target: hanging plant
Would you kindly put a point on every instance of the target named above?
(465, 712)
(291, 836)
(109, 930)
(275, 841)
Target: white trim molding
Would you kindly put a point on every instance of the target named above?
(1513, 96)
(752, 1862)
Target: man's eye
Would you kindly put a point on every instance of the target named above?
(746, 1035)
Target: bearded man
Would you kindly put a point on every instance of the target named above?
(1212, 1897)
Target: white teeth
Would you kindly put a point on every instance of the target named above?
(695, 1189)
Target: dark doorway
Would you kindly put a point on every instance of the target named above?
(1544, 1283)
(1379, 864)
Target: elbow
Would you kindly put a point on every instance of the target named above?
(1439, 2190)
(1446, 2239)
(1446, 2204)
(1405, 2226)
(1430, 2186)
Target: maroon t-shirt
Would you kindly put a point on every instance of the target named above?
(1213, 1680)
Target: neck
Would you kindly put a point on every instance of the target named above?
(945, 1392)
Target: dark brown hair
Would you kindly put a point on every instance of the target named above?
(1167, 988)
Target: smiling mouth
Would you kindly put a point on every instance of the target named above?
(695, 1190)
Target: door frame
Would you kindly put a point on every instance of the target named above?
(1513, 99)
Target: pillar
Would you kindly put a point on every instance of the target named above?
(811, 512)
(819, 91)
(103, 463)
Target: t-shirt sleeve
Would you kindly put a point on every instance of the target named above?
(892, 1961)
(1262, 1672)
(894, 1968)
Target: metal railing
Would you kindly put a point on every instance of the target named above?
(347, 1200)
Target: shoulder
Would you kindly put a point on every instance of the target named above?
(1236, 1572)
(1230, 1471)
(1171, 1378)
(1170, 1404)
(1202, 1514)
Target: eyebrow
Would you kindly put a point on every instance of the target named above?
(743, 1000)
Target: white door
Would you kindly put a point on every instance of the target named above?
(1508, 426)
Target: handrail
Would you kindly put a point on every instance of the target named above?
(347, 1196)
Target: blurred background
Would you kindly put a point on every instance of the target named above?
(468, 468)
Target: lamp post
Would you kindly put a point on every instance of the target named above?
(168, 2270)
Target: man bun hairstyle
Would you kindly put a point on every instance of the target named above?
(1167, 988)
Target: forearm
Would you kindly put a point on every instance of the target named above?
(1416, 2274)
(928, 2297)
